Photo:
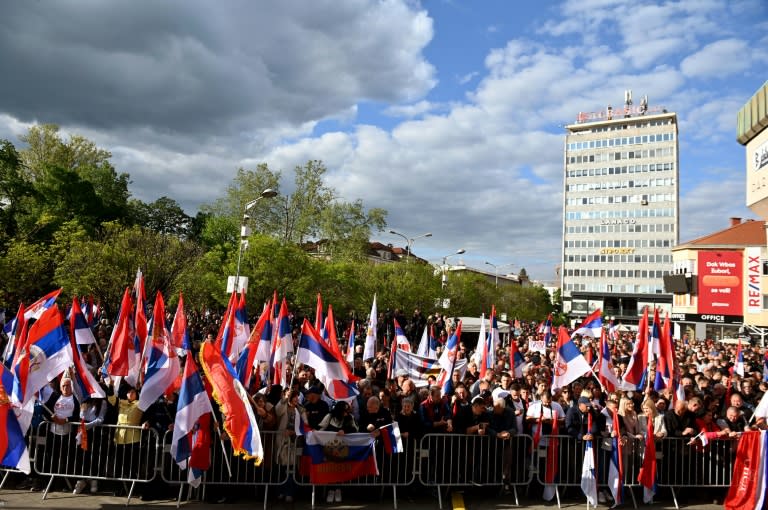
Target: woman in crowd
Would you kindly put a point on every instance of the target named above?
(341, 421)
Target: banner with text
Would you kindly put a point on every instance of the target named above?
(720, 282)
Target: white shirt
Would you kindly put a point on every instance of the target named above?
(536, 410)
(63, 408)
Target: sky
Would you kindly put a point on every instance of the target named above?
(448, 114)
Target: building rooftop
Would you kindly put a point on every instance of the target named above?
(740, 233)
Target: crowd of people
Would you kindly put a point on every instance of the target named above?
(717, 403)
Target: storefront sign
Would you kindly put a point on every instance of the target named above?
(707, 317)
(753, 294)
(720, 283)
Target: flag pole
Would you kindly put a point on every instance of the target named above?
(221, 441)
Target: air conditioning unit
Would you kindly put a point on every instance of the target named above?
(643, 202)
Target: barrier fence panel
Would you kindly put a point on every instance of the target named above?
(395, 470)
(114, 452)
(456, 460)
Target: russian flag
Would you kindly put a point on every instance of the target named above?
(330, 369)
(13, 448)
(36, 309)
(193, 403)
(162, 367)
(85, 384)
(79, 326)
(605, 374)
(229, 393)
(352, 460)
(591, 326)
(391, 439)
(179, 332)
(569, 362)
(636, 371)
(47, 354)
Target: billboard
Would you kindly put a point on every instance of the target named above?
(720, 282)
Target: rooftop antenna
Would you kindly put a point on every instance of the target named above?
(644, 105)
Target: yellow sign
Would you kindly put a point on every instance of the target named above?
(617, 251)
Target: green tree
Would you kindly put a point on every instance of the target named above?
(164, 215)
(14, 188)
(45, 147)
(25, 270)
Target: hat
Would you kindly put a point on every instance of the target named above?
(499, 393)
(315, 389)
(401, 372)
(584, 400)
(478, 400)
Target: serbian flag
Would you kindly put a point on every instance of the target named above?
(547, 330)
(13, 448)
(481, 351)
(447, 361)
(391, 439)
(329, 332)
(591, 326)
(569, 362)
(428, 344)
(749, 472)
(36, 309)
(264, 352)
(553, 452)
(738, 367)
(242, 329)
(654, 341)
(605, 374)
(85, 384)
(239, 418)
(494, 340)
(588, 480)
(247, 359)
(225, 338)
(78, 326)
(635, 375)
(282, 338)
(516, 360)
(140, 328)
(351, 344)
(117, 361)
(319, 321)
(334, 458)
(162, 367)
(647, 476)
(330, 368)
(16, 332)
(665, 362)
(370, 335)
(765, 366)
(45, 355)
(179, 332)
(400, 338)
(193, 403)
(616, 465)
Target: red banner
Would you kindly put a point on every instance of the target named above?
(748, 485)
(720, 282)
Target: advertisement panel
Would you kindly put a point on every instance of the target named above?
(753, 293)
(720, 282)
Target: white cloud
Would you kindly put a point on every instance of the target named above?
(410, 110)
(718, 59)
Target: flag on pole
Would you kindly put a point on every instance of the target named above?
(15, 331)
(391, 439)
(666, 359)
(634, 376)
(591, 326)
(605, 374)
(247, 360)
(370, 337)
(330, 369)
(225, 338)
(264, 350)
(428, 345)
(162, 367)
(738, 367)
(283, 337)
(616, 465)
(329, 330)
(79, 326)
(447, 361)
(481, 351)
(242, 329)
(179, 332)
(319, 320)
(569, 362)
(351, 344)
(13, 448)
(84, 384)
(547, 330)
(553, 453)
(749, 472)
(192, 404)
(36, 309)
(647, 475)
(588, 480)
(516, 360)
(117, 360)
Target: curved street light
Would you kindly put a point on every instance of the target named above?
(267, 193)
(444, 266)
(409, 241)
(496, 270)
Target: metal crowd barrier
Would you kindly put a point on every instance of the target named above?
(115, 452)
(460, 460)
(226, 469)
(395, 470)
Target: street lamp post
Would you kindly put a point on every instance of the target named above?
(409, 241)
(496, 270)
(445, 261)
(267, 193)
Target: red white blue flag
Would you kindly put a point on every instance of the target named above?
(334, 458)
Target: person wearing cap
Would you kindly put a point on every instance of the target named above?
(315, 407)
(577, 420)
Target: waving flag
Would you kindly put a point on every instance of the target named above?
(192, 404)
(162, 368)
(655, 338)
(13, 448)
(16, 333)
(749, 472)
(225, 338)
(329, 332)
(420, 368)
(665, 362)
(738, 367)
(117, 361)
(591, 326)
(319, 321)
(605, 373)
(46, 354)
(448, 360)
(588, 480)
(391, 439)
(647, 475)
(36, 309)
(553, 454)
(494, 339)
(569, 362)
(334, 458)
(330, 369)
(635, 374)
(247, 359)
(242, 329)
(179, 332)
(370, 336)
(282, 338)
(351, 344)
(264, 351)
(516, 360)
(613, 331)
(229, 393)
(85, 385)
(481, 351)
(79, 326)
(428, 344)
(400, 338)
(547, 331)
(616, 465)
(765, 366)
(140, 329)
